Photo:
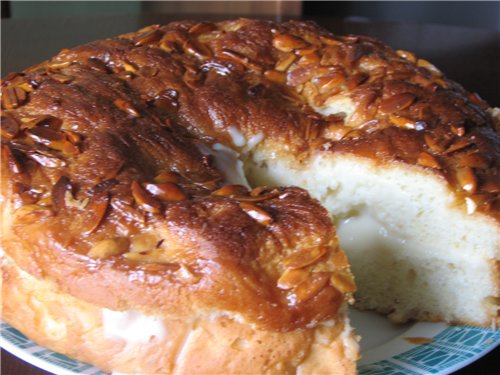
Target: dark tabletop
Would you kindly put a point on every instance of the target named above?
(469, 56)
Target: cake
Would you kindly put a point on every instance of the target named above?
(145, 231)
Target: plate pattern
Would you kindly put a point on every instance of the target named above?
(449, 350)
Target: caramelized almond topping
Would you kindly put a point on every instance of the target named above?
(46, 121)
(144, 242)
(9, 127)
(109, 247)
(202, 28)
(126, 107)
(459, 144)
(311, 286)
(70, 201)
(59, 193)
(427, 65)
(329, 40)
(291, 278)
(275, 76)
(167, 191)
(396, 103)
(407, 56)
(241, 59)
(304, 257)
(436, 144)
(148, 37)
(343, 282)
(355, 80)
(97, 65)
(284, 63)
(149, 71)
(57, 64)
(167, 176)
(231, 190)
(467, 179)
(287, 43)
(144, 199)
(46, 159)
(13, 97)
(96, 210)
(12, 160)
(427, 160)
(257, 213)
(403, 122)
(200, 51)
(53, 139)
(257, 198)
(61, 78)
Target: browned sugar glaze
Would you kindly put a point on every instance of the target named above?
(98, 144)
(111, 199)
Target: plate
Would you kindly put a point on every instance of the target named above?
(386, 348)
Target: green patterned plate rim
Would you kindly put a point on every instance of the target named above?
(449, 349)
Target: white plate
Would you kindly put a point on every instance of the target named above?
(385, 348)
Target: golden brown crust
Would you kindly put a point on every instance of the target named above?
(261, 77)
(101, 180)
(78, 329)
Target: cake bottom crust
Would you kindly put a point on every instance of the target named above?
(131, 342)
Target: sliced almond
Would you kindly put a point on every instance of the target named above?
(126, 107)
(200, 51)
(304, 257)
(144, 242)
(167, 191)
(45, 121)
(427, 160)
(275, 76)
(287, 43)
(167, 176)
(11, 159)
(467, 179)
(311, 286)
(240, 58)
(343, 282)
(13, 97)
(427, 65)
(284, 63)
(98, 65)
(9, 127)
(257, 213)
(148, 37)
(145, 200)
(96, 211)
(59, 192)
(407, 56)
(397, 102)
(231, 190)
(202, 28)
(109, 247)
(291, 278)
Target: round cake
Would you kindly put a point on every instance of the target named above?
(145, 231)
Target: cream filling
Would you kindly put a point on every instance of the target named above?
(359, 233)
(227, 162)
(132, 326)
(237, 137)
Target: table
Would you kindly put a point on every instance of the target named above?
(469, 56)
